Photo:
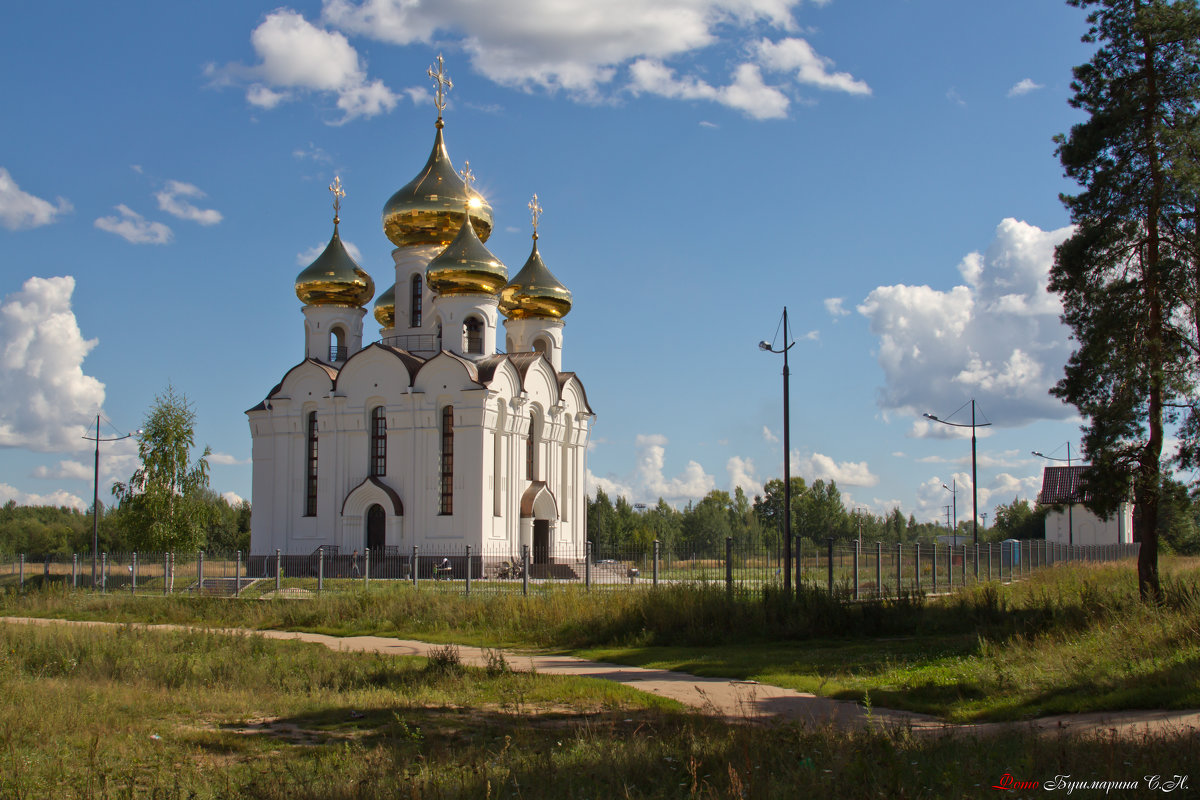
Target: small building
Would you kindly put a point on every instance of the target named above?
(1069, 521)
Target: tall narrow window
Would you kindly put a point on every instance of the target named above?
(414, 308)
(473, 333)
(310, 474)
(447, 477)
(378, 441)
(564, 503)
(530, 448)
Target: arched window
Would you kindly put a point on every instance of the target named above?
(378, 441)
(541, 346)
(447, 467)
(310, 470)
(473, 335)
(531, 448)
(564, 502)
(414, 307)
(337, 345)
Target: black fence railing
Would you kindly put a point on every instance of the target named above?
(874, 569)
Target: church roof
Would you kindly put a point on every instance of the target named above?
(1063, 485)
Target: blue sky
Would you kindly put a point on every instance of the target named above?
(885, 169)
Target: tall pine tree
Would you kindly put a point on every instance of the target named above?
(1124, 274)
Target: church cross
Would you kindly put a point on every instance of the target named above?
(467, 176)
(444, 84)
(535, 209)
(338, 193)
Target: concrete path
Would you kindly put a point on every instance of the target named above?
(732, 699)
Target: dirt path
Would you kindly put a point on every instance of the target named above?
(738, 700)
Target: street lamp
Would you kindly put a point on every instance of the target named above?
(974, 482)
(858, 509)
(96, 492)
(787, 467)
(954, 505)
(1070, 505)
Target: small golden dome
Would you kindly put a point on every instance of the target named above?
(466, 267)
(535, 292)
(385, 308)
(429, 210)
(334, 279)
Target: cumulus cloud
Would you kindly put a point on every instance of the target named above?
(834, 306)
(134, 228)
(45, 399)
(233, 498)
(1003, 487)
(997, 338)
(846, 473)
(582, 47)
(58, 498)
(797, 56)
(647, 483)
(225, 459)
(306, 257)
(1024, 86)
(65, 470)
(297, 57)
(769, 436)
(741, 473)
(170, 200)
(20, 209)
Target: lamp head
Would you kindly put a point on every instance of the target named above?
(931, 416)
(764, 346)
(1036, 453)
(947, 488)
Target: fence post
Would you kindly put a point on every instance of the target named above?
(133, 574)
(237, 575)
(964, 565)
(21, 586)
(655, 568)
(729, 566)
(414, 566)
(857, 549)
(320, 568)
(977, 562)
(829, 563)
(899, 569)
(525, 570)
(935, 566)
(799, 561)
(468, 570)
(200, 573)
(587, 565)
(949, 567)
(74, 570)
(879, 569)
(278, 571)
(103, 572)
(367, 567)
(917, 562)
(166, 571)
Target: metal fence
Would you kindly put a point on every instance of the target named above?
(875, 569)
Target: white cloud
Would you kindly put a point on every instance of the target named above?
(66, 470)
(741, 473)
(45, 399)
(297, 57)
(225, 459)
(134, 228)
(648, 483)
(954, 97)
(20, 209)
(797, 56)
(233, 498)
(58, 498)
(308, 256)
(1024, 86)
(998, 338)
(747, 93)
(833, 305)
(170, 202)
(846, 473)
(768, 436)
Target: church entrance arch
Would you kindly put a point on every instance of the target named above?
(376, 528)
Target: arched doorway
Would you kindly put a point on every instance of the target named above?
(541, 541)
(376, 528)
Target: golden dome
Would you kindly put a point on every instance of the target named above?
(429, 210)
(535, 292)
(385, 307)
(334, 279)
(466, 267)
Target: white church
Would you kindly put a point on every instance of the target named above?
(431, 436)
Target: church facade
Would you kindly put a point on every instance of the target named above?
(430, 436)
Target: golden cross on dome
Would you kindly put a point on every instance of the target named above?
(535, 209)
(338, 193)
(467, 176)
(444, 84)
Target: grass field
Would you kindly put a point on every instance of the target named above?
(130, 713)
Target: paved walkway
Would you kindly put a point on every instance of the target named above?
(735, 700)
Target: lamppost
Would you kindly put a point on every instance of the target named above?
(984, 515)
(787, 467)
(96, 492)
(857, 510)
(974, 482)
(954, 505)
(1070, 505)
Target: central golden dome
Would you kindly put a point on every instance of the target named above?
(430, 209)
(466, 267)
